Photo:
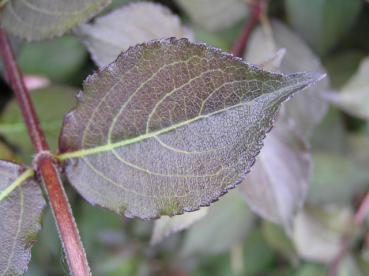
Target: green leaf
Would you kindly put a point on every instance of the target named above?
(322, 22)
(276, 237)
(169, 127)
(51, 104)
(225, 225)
(21, 204)
(166, 226)
(337, 178)
(330, 136)
(354, 95)
(310, 269)
(342, 66)
(40, 19)
(107, 37)
(258, 255)
(215, 15)
(318, 232)
(59, 59)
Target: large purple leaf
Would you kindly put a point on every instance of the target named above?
(170, 126)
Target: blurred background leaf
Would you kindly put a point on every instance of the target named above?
(51, 104)
(322, 22)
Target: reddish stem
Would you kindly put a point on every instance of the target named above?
(359, 217)
(257, 8)
(362, 211)
(46, 166)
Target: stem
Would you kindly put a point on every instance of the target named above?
(46, 166)
(362, 211)
(257, 7)
(359, 217)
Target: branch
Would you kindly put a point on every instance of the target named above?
(359, 217)
(257, 8)
(46, 166)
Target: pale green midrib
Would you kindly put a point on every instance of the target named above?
(110, 146)
(21, 179)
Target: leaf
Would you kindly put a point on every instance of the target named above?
(12, 126)
(180, 130)
(107, 37)
(307, 109)
(165, 226)
(330, 136)
(342, 66)
(258, 255)
(215, 15)
(277, 185)
(337, 178)
(277, 239)
(349, 266)
(309, 269)
(45, 58)
(225, 225)
(318, 232)
(322, 22)
(20, 213)
(354, 95)
(39, 19)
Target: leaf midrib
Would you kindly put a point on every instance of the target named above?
(110, 146)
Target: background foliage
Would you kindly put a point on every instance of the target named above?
(292, 211)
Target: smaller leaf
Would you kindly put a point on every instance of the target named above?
(225, 225)
(166, 226)
(277, 185)
(349, 266)
(38, 19)
(338, 177)
(309, 269)
(21, 204)
(107, 37)
(354, 95)
(318, 232)
(330, 136)
(215, 15)
(258, 255)
(277, 239)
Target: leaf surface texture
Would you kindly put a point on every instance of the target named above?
(170, 127)
(40, 19)
(20, 213)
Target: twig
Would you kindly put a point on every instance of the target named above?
(362, 211)
(359, 217)
(46, 166)
(257, 8)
